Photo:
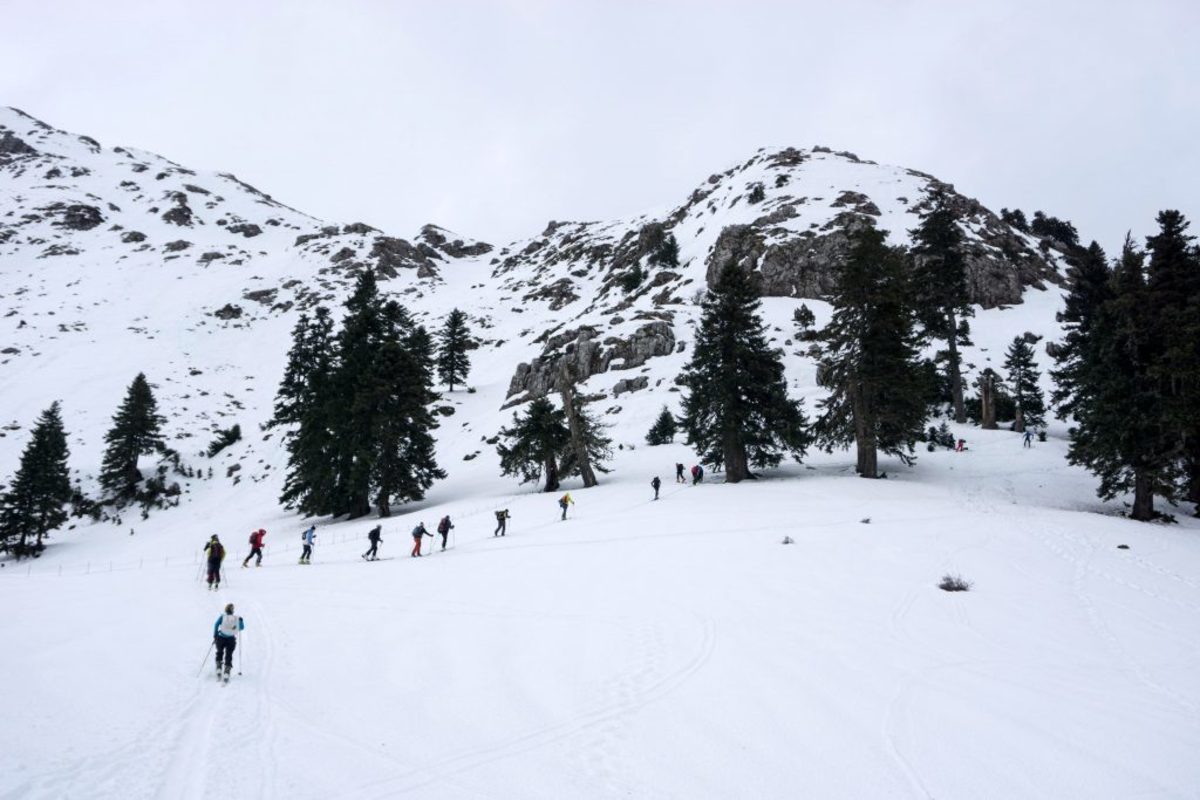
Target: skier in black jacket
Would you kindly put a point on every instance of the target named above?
(501, 522)
(373, 536)
(444, 529)
(656, 484)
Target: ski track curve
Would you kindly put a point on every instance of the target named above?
(623, 701)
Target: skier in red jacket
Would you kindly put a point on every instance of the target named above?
(256, 545)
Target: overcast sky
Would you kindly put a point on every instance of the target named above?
(491, 118)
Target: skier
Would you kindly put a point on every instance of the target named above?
(216, 554)
(309, 537)
(656, 483)
(679, 474)
(501, 522)
(373, 536)
(225, 633)
(697, 474)
(417, 533)
(565, 501)
(256, 544)
(960, 446)
(444, 528)
(1028, 439)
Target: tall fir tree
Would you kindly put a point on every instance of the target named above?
(36, 502)
(588, 449)
(940, 283)
(404, 463)
(870, 365)
(1173, 276)
(454, 340)
(358, 342)
(306, 401)
(136, 431)
(736, 410)
(1088, 289)
(1023, 378)
(663, 430)
(1120, 435)
(531, 448)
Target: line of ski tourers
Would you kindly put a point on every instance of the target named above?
(229, 626)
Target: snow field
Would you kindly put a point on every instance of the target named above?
(655, 649)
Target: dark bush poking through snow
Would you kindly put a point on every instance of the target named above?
(954, 583)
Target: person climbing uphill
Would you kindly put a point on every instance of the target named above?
(417, 533)
(697, 474)
(656, 484)
(501, 522)
(679, 474)
(374, 537)
(309, 538)
(215, 555)
(256, 545)
(444, 527)
(1028, 439)
(225, 633)
(565, 501)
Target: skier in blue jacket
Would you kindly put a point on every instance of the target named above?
(309, 538)
(225, 633)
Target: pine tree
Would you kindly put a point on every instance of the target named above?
(667, 253)
(1023, 377)
(306, 400)
(534, 443)
(870, 365)
(453, 364)
(358, 341)
(1088, 291)
(404, 464)
(663, 429)
(135, 432)
(1119, 410)
(36, 502)
(588, 448)
(1173, 275)
(940, 279)
(736, 410)
(988, 384)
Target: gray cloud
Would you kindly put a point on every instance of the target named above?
(493, 117)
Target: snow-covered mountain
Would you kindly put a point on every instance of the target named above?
(115, 260)
(670, 649)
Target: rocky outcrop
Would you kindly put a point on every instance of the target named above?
(436, 238)
(75, 217)
(12, 148)
(181, 213)
(586, 355)
(247, 229)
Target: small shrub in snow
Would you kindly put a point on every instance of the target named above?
(954, 583)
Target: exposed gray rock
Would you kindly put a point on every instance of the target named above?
(585, 356)
(181, 213)
(228, 311)
(247, 229)
(210, 256)
(12, 148)
(436, 238)
(176, 246)
(630, 385)
(264, 296)
(76, 217)
(132, 237)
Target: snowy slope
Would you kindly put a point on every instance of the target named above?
(674, 649)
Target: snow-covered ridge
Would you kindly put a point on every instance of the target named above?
(115, 260)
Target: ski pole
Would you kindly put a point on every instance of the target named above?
(207, 653)
(241, 648)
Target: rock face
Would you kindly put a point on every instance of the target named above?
(12, 148)
(803, 264)
(586, 355)
(76, 217)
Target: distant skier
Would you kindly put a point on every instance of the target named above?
(697, 474)
(565, 501)
(215, 555)
(444, 528)
(374, 537)
(225, 633)
(256, 545)
(960, 446)
(417, 533)
(679, 474)
(501, 522)
(656, 484)
(1028, 439)
(309, 538)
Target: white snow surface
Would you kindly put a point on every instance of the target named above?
(670, 649)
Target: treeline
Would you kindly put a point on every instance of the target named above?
(37, 498)
(1127, 375)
